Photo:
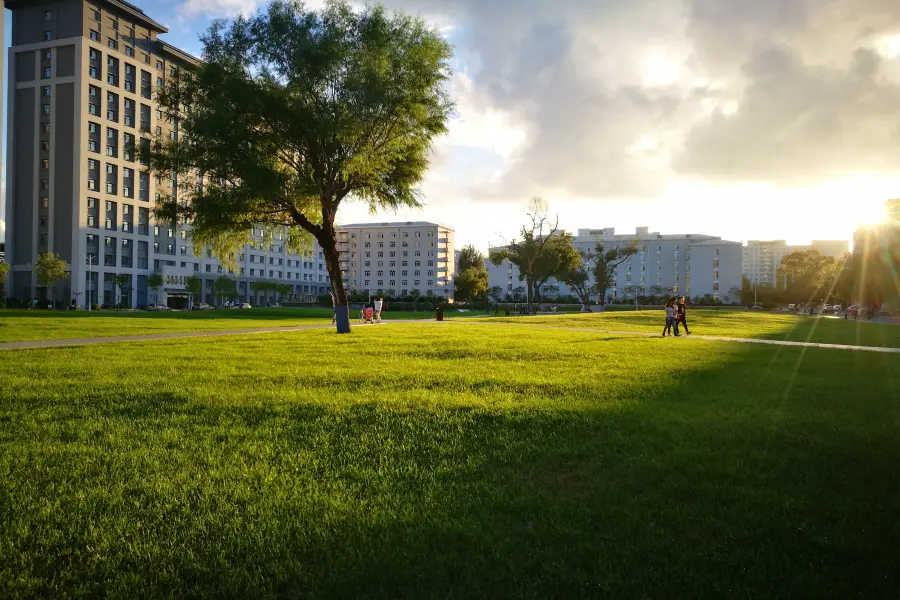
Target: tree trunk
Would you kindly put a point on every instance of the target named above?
(332, 262)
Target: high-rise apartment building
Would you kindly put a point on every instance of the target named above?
(692, 265)
(396, 258)
(83, 76)
(761, 259)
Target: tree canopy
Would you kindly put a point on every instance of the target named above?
(810, 275)
(291, 112)
(605, 261)
(542, 252)
(50, 268)
(471, 281)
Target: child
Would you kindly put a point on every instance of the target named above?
(670, 318)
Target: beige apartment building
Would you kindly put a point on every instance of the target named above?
(395, 258)
(83, 76)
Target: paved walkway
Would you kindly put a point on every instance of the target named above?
(198, 334)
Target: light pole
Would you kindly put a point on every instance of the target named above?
(90, 260)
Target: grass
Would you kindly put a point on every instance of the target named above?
(733, 323)
(442, 461)
(24, 325)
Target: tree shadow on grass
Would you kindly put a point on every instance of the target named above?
(737, 480)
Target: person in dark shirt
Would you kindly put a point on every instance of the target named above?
(681, 316)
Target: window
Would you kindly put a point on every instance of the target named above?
(46, 73)
(48, 16)
(113, 44)
(45, 91)
(156, 230)
(45, 146)
(95, 36)
(159, 81)
(173, 71)
(129, 51)
(92, 71)
(47, 36)
(46, 109)
(115, 24)
(45, 164)
(159, 65)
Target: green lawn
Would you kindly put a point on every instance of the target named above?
(448, 461)
(22, 325)
(733, 323)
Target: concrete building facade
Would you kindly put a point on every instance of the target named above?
(395, 258)
(82, 81)
(691, 265)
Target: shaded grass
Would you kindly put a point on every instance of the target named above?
(734, 323)
(428, 461)
(24, 325)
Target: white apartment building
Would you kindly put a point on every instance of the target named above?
(692, 265)
(761, 258)
(392, 259)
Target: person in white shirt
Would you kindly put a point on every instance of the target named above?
(378, 304)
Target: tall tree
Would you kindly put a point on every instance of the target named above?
(291, 112)
(50, 268)
(606, 260)
(471, 281)
(155, 283)
(532, 254)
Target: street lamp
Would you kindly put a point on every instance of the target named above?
(90, 260)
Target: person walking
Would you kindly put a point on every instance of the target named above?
(670, 318)
(378, 305)
(681, 315)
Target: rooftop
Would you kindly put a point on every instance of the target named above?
(393, 224)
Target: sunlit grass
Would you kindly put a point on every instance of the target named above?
(437, 461)
(733, 323)
(22, 325)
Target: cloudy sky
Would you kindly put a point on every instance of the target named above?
(747, 119)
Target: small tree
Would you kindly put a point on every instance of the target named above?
(283, 289)
(605, 263)
(579, 279)
(471, 281)
(194, 287)
(4, 273)
(535, 255)
(429, 296)
(122, 282)
(155, 283)
(496, 294)
(293, 111)
(224, 287)
(415, 295)
(49, 269)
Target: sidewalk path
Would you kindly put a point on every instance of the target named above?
(466, 321)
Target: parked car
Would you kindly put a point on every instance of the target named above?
(203, 306)
(246, 305)
(158, 308)
(756, 307)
